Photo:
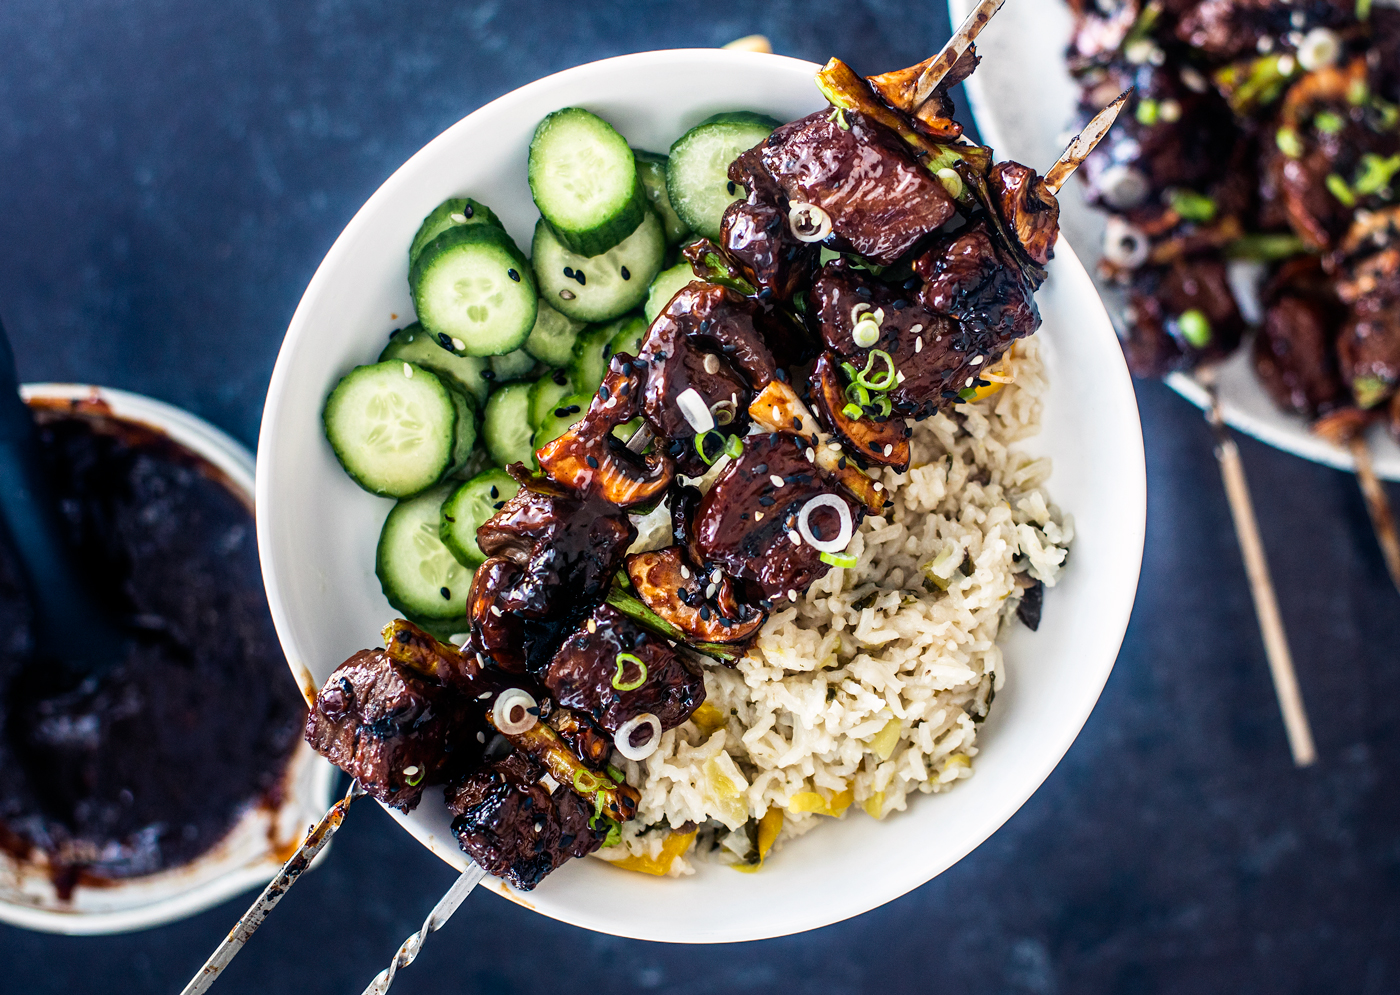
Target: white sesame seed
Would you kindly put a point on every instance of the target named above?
(408, 371)
(485, 694)
(481, 737)
(888, 449)
(592, 625)
(411, 770)
(969, 382)
(685, 571)
(711, 363)
(915, 329)
(878, 486)
(977, 360)
(459, 345)
(495, 610)
(716, 576)
(460, 218)
(918, 344)
(899, 376)
(796, 539)
(835, 447)
(758, 516)
(710, 590)
(811, 455)
(792, 595)
(777, 480)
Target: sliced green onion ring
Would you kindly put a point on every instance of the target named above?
(839, 559)
(587, 783)
(700, 446)
(734, 446)
(622, 660)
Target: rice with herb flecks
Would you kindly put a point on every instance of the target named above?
(873, 684)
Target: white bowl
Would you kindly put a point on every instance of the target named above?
(262, 839)
(1024, 100)
(317, 530)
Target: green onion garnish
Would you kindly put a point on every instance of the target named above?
(416, 779)
(700, 446)
(615, 774)
(622, 660)
(1192, 206)
(887, 380)
(852, 411)
(1195, 328)
(839, 559)
(734, 446)
(588, 783)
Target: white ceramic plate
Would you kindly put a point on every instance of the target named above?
(317, 530)
(1024, 101)
(255, 848)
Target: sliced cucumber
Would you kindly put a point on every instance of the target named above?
(505, 427)
(584, 181)
(415, 345)
(546, 393)
(605, 286)
(568, 411)
(515, 365)
(417, 572)
(472, 284)
(392, 426)
(592, 352)
(468, 508)
(664, 287)
(448, 214)
(631, 330)
(464, 444)
(552, 339)
(651, 169)
(697, 177)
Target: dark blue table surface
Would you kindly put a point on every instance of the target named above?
(171, 173)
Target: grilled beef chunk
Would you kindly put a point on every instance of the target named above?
(567, 547)
(1157, 344)
(1294, 358)
(757, 235)
(881, 201)
(1028, 208)
(868, 438)
(968, 276)
(514, 826)
(585, 674)
(499, 634)
(391, 728)
(709, 339)
(1228, 29)
(745, 521)
(936, 354)
(1369, 346)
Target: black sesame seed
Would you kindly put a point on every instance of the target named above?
(603, 391)
(705, 612)
(841, 463)
(591, 461)
(607, 350)
(468, 211)
(765, 293)
(513, 275)
(766, 501)
(569, 272)
(445, 339)
(626, 369)
(781, 374)
(743, 516)
(626, 275)
(495, 492)
(560, 378)
(488, 374)
(761, 468)
(900, 304)
(446, 594)
(733, 189)
(625, 389)
(448, 518)
(499, 505)
(796, 422)
(578, 275)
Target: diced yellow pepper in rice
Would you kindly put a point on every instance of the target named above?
(882, 744)
(708, 718)
(1002, 373)
(768, 829)
(812, 801)
(875, 805)
(724, 789)
(660, 865)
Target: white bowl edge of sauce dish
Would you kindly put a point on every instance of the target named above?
(317, 530)
(1024, 101)
(257, 845)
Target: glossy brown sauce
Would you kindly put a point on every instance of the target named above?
(148, 765)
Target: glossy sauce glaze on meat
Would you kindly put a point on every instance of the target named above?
(1255, 183)
(871, 273)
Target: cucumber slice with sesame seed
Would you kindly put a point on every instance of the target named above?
(466, 373)
(464, 444)
(697, 175)
(602, 287)
(592, 352)
(505, 426)
(471, 284)
(418, 574)
(517, 365)
(567, 412)
(552, 339)
(584, 181)
(546, 393)
(393, 426)
(665, 286)
(468, 508)
(449, 214)
(651, 168)
(631, 330)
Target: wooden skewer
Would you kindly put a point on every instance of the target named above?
(1377, 505)
(1261, 585)
(962, 39)
(1085, 142)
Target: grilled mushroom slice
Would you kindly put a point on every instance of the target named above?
(1028, 207)
(866, 438)
(674, 590)
(590, 460)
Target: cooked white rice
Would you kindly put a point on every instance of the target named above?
(872, 685)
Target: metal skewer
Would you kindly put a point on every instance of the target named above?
(314, 843)
(1377, 506)
(442, 912)
(1085, 142)
(957, 45)
(1261, 585)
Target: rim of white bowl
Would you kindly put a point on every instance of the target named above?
(1116, 394)
(215, 876)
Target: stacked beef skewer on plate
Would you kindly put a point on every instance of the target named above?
(1257, 183)
(876, 269)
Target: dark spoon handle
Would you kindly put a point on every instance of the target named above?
(69, 625)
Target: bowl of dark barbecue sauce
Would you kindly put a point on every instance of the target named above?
(177, 777)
